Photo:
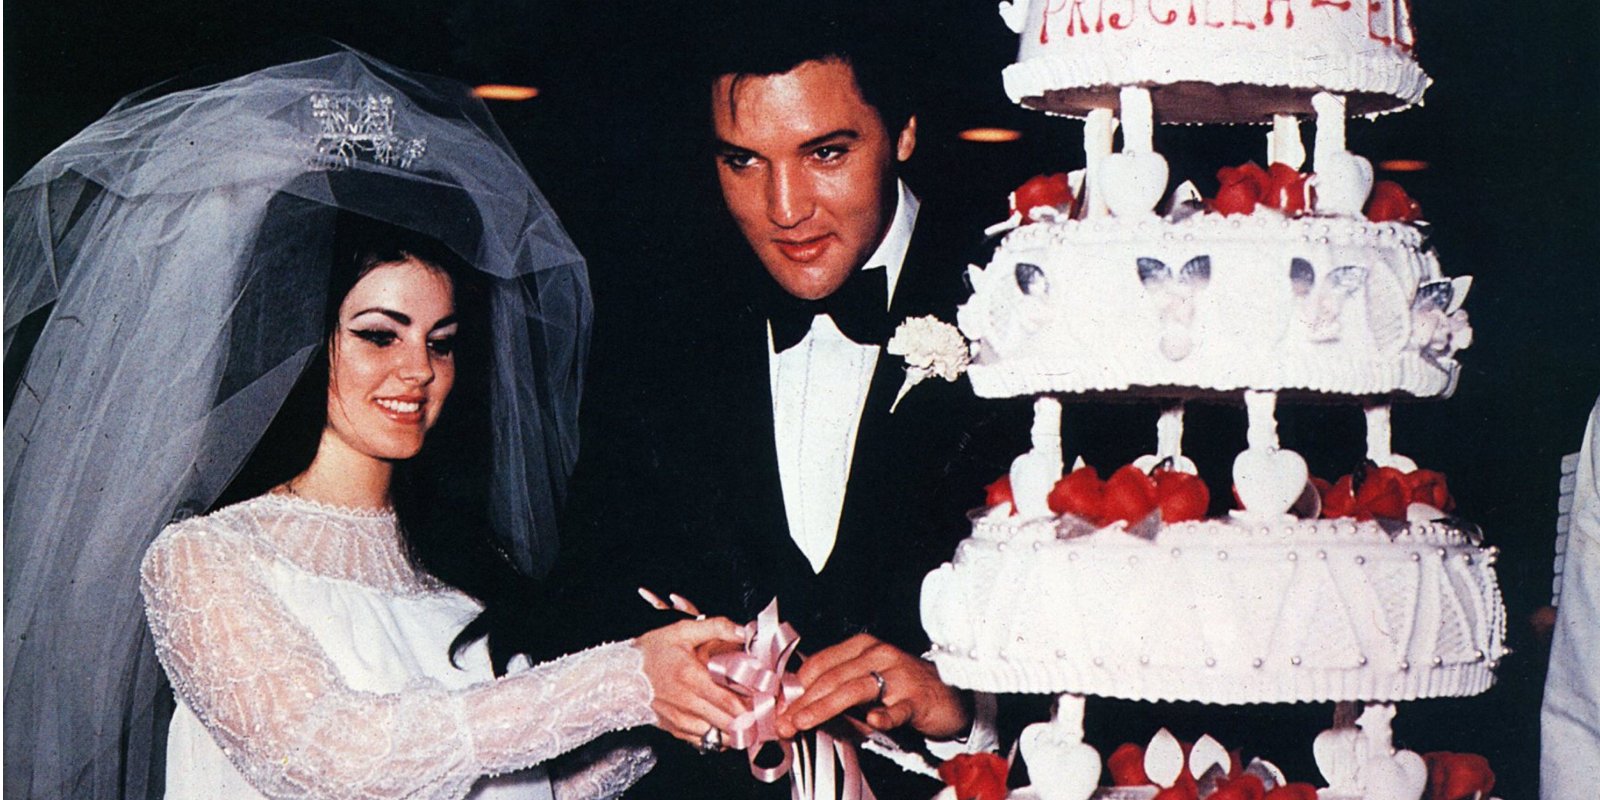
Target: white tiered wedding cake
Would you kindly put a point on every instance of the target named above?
(1363, 591)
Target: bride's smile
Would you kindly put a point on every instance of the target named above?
(391, 364)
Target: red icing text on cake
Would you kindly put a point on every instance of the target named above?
(1387, 21)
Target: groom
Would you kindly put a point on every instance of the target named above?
(774, 466)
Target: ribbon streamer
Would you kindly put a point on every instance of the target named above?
(760, 674)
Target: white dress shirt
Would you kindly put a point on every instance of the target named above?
(819, 388)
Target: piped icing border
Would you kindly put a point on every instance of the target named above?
(1219, 611)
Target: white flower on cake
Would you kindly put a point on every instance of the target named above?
(1439, 326)
(930, 347)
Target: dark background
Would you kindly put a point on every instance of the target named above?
(1513, 193)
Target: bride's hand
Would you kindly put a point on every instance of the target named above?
(687, 701)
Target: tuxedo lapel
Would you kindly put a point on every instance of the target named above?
(754, 511)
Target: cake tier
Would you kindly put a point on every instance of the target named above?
(1219, 611)
(1206, 61)
(1220, 303)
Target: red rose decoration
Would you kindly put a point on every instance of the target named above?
(976, 776)
(1130, 496)
(1381, 493)
(1053, 191)
(1080, 494)
(1286, 189)
(1179, 791)
(1242, 188)
(1428, 487)
(1373, 492)
(1293, 791)
(1127, 766)
(1338, 500)
(1000, 492)
(1458, 776)
(1181, 496)
(1389, 202)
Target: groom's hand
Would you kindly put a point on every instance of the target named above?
(841, 677)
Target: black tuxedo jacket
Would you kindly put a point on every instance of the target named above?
(688, 498)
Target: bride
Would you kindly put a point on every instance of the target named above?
(327, 290)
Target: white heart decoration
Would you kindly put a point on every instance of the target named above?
(1163, 759)
(1269, 480)
(1015, 13)
(1335, 752)
(1061, 768)
(1401, 776)
(1341, 184)
(1033, 475)
(1132, 183)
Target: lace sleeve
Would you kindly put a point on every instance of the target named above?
(603, 769)
(277, 707)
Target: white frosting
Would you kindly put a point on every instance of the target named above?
(1226, 310)
(1216, 60)
(1218, 612)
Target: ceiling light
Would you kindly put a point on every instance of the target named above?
(989, 135)
(1403, 165)
(501, 91)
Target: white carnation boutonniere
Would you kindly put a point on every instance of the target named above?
(930, 347)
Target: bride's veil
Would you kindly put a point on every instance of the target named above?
(165, 278)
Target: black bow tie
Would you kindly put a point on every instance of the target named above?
(859, 309)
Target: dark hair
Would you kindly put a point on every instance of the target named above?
(759, 38)
(441, 495)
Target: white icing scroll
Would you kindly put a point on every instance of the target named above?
(1330, 110)
(1378, 433)
(1261, 408)
(1380, 440)
(1138, 120)
(1034, 473)
(1098, 129)
(1284, 145)
(1169, 443)
(1169, 431)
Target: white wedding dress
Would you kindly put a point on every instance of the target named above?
(311, 660)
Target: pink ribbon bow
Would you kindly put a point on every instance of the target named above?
(760, 674)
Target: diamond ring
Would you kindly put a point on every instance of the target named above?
(711, 742)
(877, 676)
